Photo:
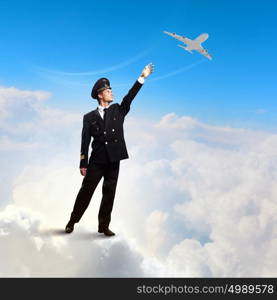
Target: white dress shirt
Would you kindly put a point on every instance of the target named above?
(141, 79)
(101, 110)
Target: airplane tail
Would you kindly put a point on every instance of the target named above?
(185, 48)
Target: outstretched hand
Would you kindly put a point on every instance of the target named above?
(149, 69)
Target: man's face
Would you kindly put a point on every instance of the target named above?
(106, 95)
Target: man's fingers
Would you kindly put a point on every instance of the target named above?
(151, 66)
(83, 171)
(148, 69)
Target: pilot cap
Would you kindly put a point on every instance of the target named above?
(99, 86)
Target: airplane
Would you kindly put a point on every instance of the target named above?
(192, 44)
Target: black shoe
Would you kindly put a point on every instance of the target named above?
(106, 231)
(69, 227)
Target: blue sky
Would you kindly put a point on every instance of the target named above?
(64, 46)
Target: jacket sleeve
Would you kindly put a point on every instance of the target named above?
(86, 137)
(127, 100)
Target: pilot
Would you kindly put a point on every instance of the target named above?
(105, 126)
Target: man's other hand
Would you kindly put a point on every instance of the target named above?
(147, 70)
(83, 171)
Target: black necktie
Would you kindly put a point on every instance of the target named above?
(105, 110)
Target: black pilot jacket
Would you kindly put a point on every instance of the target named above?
(108, 143)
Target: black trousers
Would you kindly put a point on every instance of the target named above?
(95, 172)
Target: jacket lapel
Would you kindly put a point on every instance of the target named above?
(97, 114)
(107, 117)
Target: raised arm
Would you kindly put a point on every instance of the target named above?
(127, 100)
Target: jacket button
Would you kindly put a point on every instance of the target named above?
(106, 143)
(112, 129)
(115, 140)
(104, 132)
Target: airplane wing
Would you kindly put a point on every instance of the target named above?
(202, 37)
(178, 37)
(204, 52)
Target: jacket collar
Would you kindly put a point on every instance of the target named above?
(107, 116)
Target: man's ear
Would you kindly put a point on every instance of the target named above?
(99, 96)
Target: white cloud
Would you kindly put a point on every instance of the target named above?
(12, 99)
(224, 193)
(155, 232)
(28, 251)
(28, 122)
(194, 200)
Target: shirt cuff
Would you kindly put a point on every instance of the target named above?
(141, 79)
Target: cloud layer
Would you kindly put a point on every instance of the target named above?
(194, 200)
